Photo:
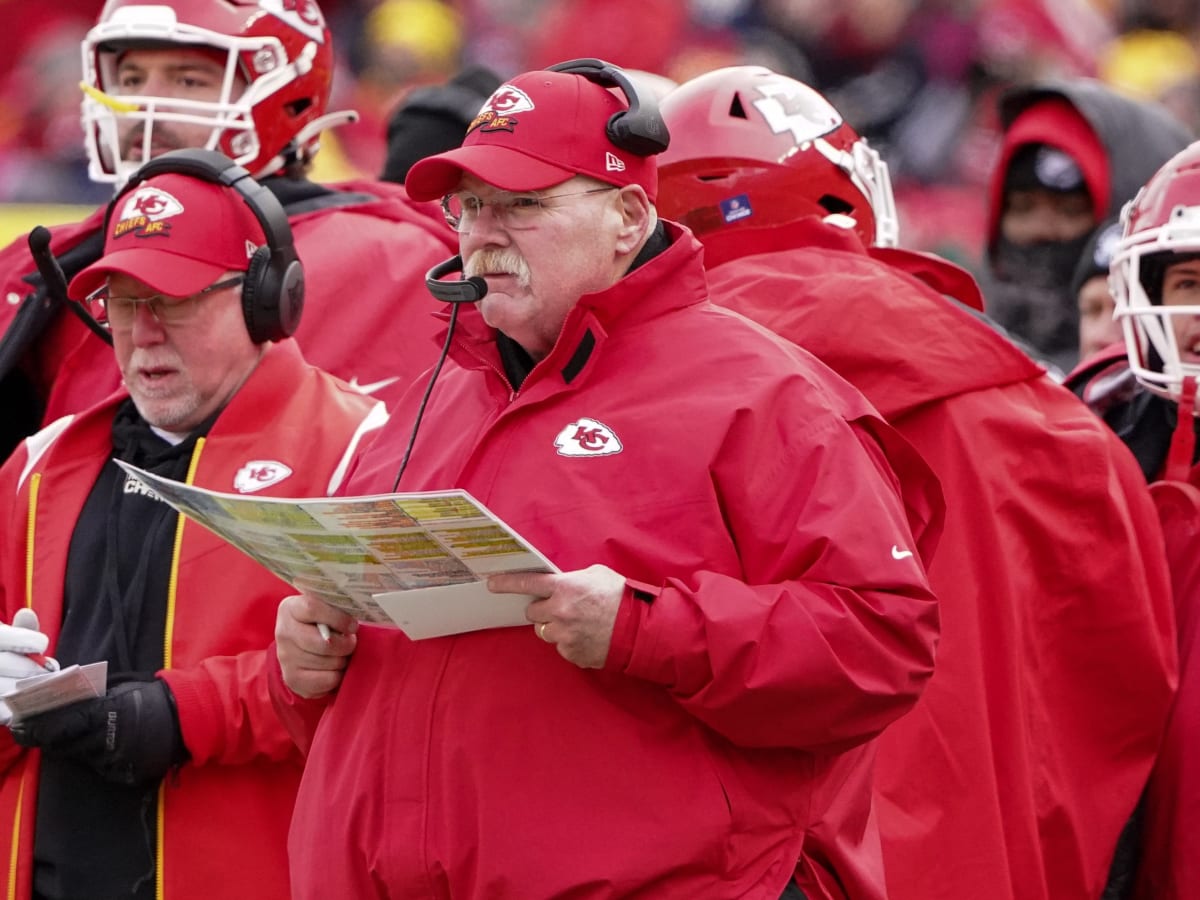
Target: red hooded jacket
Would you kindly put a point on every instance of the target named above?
(1014, 774)
(223, 815)
(763, 508)
(1169, 868)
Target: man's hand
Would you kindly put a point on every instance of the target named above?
(312, 664)
(21, 647)
(129, 736)
(578, 612)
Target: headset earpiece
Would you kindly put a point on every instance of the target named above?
(273, 290)
(271, 303)
(639, 130)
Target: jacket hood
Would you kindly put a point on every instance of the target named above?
(885, 331)
(1137, 136)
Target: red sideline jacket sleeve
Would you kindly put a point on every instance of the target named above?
(1170, 863)
(825, 641)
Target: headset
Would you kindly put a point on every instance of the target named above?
(273, 289)
(639, 130)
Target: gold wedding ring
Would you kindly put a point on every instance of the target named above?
(541, 630)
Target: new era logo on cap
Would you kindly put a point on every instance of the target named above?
(613, 163)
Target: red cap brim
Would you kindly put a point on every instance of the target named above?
(166, 273)
(510, 170)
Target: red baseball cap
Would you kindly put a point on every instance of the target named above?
(535, 131)
(176, 233)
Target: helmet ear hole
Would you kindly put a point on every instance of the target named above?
(836, 205)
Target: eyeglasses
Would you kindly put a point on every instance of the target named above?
(118, 313)
(515, 211)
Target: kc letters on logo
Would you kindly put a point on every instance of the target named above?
(587, 437)
(258, 474)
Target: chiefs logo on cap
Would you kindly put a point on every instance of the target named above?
(497, 113)
(145, 213)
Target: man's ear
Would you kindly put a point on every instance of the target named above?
(637, 218)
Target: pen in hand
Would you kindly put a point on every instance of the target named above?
(46, 662)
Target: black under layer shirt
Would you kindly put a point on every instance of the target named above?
(94, 839)
(1146, 424)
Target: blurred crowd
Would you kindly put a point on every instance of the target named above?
(917, 78)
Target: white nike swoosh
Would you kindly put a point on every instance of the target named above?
(373, 386)
(897, 553)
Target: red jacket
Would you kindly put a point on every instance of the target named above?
(223, 816)
(750, 492)
(367, 316)
(1169, 868)
(1025, 756)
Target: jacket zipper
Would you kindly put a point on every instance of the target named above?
(168, 633)
(35, 481)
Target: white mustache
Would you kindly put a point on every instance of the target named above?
(491, 262)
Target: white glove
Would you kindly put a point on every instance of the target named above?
(17, 641)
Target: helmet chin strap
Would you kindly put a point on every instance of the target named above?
(1183, 441)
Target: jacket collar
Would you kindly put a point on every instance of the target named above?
(671, 280)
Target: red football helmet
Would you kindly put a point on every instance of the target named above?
(1160, 226)
(278, 72)
(752, 147)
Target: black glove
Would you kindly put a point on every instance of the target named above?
(130, 736)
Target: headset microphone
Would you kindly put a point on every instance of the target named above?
(466, 290)
(56, 282)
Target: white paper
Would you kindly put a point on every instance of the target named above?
(42, 693)
(453, 609)
(418, 561)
